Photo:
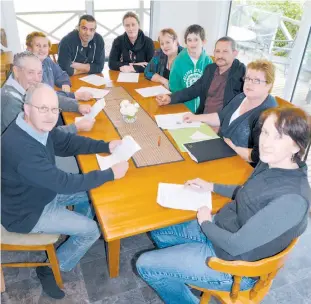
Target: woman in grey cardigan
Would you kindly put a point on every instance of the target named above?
(238, 120)
(265, 215)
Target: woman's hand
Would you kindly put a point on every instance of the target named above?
(204, 214)
(230, 143)
(190, 117)
(200, 185)
(143, 64)
(127, 69)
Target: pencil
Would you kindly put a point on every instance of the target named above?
(159, 141)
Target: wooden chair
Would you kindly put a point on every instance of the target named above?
(30, 242)
(266, 269)
(53, 53)
(283, 103)
(156, 45)
(6, 65)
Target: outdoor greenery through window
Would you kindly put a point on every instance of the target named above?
(268, 30)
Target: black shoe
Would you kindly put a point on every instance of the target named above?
(48, 282)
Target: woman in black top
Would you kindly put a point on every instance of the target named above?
(131, 51)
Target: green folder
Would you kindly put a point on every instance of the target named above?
(182, 136)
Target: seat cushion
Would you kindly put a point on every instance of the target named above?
(11, 238)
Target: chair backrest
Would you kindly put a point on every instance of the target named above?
(6, 65)
(266, 269)
(53, 53)
(284, 103)
(156, 45)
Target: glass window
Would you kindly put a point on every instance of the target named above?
(302, 91)
(56, 18)
(267, 30)
(109, 16)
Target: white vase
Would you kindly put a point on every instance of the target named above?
(129, 119)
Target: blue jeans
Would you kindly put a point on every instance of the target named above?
(182, 261)
(79, 224)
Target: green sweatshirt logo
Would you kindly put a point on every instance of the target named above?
(192, 76)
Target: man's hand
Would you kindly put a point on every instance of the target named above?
(83, 96)
(127, 69)
(200, 185)
(66, 88)
(113, 144)
(163, 99)
(120, 169)
(204, 214)
(84, 109)
(85, 125)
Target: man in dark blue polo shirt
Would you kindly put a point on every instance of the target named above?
(35, 192)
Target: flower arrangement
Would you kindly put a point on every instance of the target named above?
(129, 110)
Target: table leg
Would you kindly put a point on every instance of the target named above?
(113, 258)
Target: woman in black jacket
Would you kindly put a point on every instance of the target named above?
(131, 51)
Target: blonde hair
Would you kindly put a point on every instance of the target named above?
(168, 31)
(30, 37)
(265, 66)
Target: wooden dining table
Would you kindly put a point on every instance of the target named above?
(128, 206)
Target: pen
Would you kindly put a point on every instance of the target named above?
(159, 141)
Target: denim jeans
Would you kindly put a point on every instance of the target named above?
(182, 261)
(78, 224)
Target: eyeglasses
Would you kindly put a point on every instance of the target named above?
(254, 81)
(45, 109)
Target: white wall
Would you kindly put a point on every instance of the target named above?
(212, 15)
(175, 14)
(8, 22)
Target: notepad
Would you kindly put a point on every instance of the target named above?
(206, 150)
(175, 121)
(96, 93)
(95, 110)
(153, 91)
(178, 196)
(122, 153)
(94, 80)
(197, 135)
(128, 77)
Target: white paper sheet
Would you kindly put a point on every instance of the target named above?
(128, 77)
(97, 93)
(95, 110)
(180, 197)
(175, 121)
(197, 135)
(94, 80)
(153, 91)
(122, 153)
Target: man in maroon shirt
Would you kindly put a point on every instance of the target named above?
(220, 82)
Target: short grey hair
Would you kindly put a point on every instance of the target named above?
(19, 58)
(228, 39)
(33, 89)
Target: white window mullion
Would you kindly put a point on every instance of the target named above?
(297, 52)
(89, 7)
